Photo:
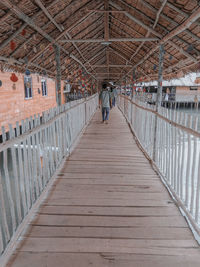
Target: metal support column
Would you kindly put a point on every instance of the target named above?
(58, 75)
(160, 77)
(158, 99)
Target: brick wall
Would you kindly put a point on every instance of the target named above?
(13, 105)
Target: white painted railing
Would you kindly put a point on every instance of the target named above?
(30, 157)
(172, 143)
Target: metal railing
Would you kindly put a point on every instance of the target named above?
(172, 143)
(30, 155)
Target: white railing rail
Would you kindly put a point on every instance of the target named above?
(28, 159)
(172, 143)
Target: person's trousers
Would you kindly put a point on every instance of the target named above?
(113, 102)
(105, 113)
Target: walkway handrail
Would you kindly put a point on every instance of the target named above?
(172, 143)
(28, 161)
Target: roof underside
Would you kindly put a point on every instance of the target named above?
(29, 30)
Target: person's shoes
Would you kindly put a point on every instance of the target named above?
(102, 122)
(106, 122)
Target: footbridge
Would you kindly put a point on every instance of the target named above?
(82, 193)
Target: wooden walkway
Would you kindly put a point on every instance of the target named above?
(108, 208)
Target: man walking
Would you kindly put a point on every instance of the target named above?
(105, 103)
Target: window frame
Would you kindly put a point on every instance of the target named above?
(44, 90)
(28, 92)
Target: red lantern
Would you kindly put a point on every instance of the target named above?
(50, 47)
(12, 45)
(13, 78)
(23, 33)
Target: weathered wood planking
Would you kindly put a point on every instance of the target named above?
(108, 208)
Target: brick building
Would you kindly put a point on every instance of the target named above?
(17, 103)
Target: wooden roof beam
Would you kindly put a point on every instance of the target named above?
(186, 24)
(137, 21)
(96, 55)
(109, 40)
(106, 21)
(184, 14)
(159, 12)
(21, 62)
(112, 66)
(92, 31)
(106, 11)
(84, 47)
(154, 25)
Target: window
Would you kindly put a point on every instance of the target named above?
(67, 88)
(28, 87)
(44, 87)
(193, 88)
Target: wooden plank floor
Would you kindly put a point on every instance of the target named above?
(108, 208)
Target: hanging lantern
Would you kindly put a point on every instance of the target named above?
(189, 48)
(42, 46)
(50, 48)
(13, 78)
(67, 61)
(26, 60)
(12, 45)
(27, 72)
(23, 33)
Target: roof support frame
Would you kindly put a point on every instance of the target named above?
(82, 19)
(67, 35)
(179, 29)
(31, 23)
(156, 33)
(6, 42)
